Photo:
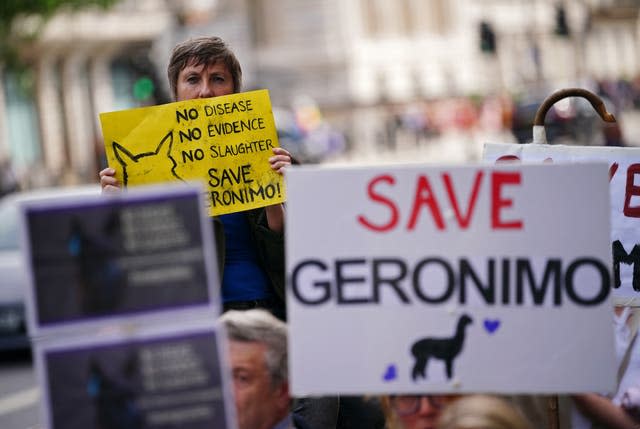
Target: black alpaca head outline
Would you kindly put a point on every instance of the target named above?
(446, 349)
(127, 159)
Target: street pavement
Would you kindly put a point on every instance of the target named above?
(19, 392)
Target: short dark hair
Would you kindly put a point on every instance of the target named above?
(202, 50)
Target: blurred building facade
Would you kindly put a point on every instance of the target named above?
(353, 58)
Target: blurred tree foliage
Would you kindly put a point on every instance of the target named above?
(11, 10)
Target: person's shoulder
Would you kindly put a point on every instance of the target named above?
(299, 422)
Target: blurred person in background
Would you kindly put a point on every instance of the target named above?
(601, 412)
(415, 411)
(622, 409)
(249, 244)
(8, 180)
(259, 369)
(482, 412)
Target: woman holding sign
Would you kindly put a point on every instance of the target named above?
(250, 244)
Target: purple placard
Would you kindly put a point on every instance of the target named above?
(141, 252)
(162, 381)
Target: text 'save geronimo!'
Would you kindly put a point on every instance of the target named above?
(226, 142)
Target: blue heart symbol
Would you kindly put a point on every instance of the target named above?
(390, 374)
(491, 325)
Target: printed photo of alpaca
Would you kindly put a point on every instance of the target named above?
(131, 167)
(445, 349)
(114, 395)
(100, 282)
(154, 382)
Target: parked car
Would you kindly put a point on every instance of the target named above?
(13, 272)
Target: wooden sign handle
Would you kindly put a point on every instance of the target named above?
(539, 135)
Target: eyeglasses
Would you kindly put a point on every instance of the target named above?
(410, 404)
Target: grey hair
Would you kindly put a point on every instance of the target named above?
(260, 326)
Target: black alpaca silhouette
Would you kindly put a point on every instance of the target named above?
(445, 349)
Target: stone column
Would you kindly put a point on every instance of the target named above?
(366, 126)
(51, 117)
(78, 117)
(101, 93)
(628, 50)
(4, 135)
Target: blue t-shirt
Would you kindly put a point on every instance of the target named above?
(243, 279)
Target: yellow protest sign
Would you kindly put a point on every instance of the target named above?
(224, 141)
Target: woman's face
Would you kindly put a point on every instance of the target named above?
(204, 81)
(419, 412)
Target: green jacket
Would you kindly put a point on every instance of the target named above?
(270, 246)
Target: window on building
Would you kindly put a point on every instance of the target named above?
(258, 24)
(428, 16)
(23, 129)
(371, 18)
(278, 23)
(122, 78)
(405, 17)
(441, 18)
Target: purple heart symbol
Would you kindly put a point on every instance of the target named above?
(390, 374)
(491, 326)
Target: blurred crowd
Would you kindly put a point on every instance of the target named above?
(312, 138)
(570, 121)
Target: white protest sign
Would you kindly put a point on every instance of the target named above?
(449, 279)
(624, 187)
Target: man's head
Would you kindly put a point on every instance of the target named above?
(258, 357)
(200, 55)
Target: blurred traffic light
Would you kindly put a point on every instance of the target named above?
(561, 29)
(143, 88)
(487, 38)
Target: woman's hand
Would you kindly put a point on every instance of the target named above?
(275, 213)
(108, 181)
(280, 160)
